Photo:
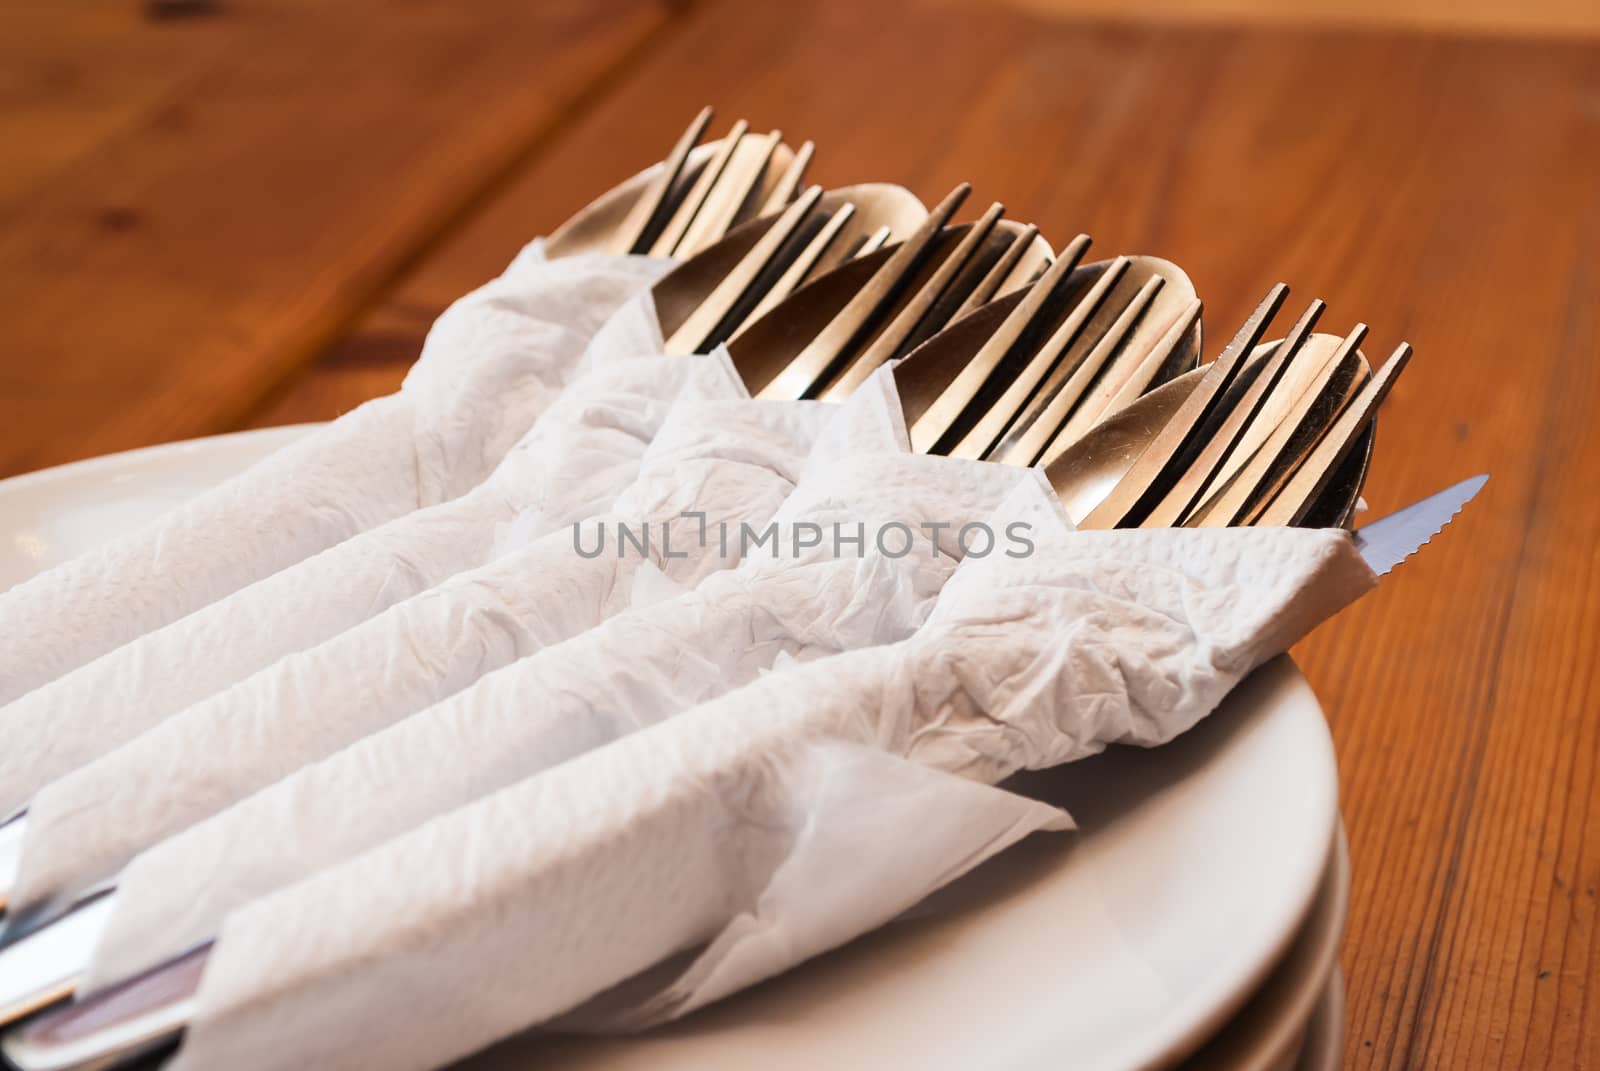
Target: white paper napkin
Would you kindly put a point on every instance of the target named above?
(620, 677)
(716, 832)
(310, 703)
(491, 363)
(569, 464)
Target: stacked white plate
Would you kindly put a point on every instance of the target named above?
(1193, 920)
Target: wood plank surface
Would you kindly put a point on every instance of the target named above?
(215, 242)
(72, 76)
(1531, 17)
(1440, 188)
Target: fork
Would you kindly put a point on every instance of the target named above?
(692, 198)
(1259, 450)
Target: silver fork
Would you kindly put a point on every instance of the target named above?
(1282, 437)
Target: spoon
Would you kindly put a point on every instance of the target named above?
(1041, 334)
(1087, 472)
(746, 274)
(775, 173)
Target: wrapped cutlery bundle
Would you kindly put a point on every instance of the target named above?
(681, 619)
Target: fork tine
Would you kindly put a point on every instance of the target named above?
(1138, 485)
(789, 181)
(1341, 391)
(955, 296)
(667, 242)
(1185, 492)
(900, 332)
(1260, 476)
(1298, 377)
(700, 325)
(990, 283)
(1048, 429)
(652, 202)
(796, 272)
(820, 355)
(873, 242)
(1025, 387)
(722, 206)
(1143, 376)
(1312, 476)
(942, 414)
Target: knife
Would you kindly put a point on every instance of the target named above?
(149, 1013)
(1386, 543)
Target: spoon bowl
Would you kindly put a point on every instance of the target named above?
(593, 227)
(767, 346)
(928, 370)
(877, 205)
(1084, 475)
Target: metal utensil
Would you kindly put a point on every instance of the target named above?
(599, 226)
(713, 294)
(1040, 334)
(831, 322)
(1133, 496)
(1386, 543)
(1087, 474)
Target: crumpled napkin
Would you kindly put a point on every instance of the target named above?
(617, 678)
(570, 464)
(719, 834)
(490, 364)
(298, 709)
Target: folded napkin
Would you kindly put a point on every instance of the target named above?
(491, 363)
(748, 833)
(622, 676)
(302, 707)
(571, 463)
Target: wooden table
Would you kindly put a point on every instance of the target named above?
(220, 215)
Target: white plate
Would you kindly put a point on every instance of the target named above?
(47, 517)
(1268, 1032)
(1324, 1043)
(1122, 946)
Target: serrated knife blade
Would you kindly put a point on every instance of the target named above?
(1387, 542)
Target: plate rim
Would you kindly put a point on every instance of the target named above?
(90, 466)
(1279, 1039)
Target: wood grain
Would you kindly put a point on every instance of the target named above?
(70, 82)
(214, 243)
(1532, 17)
(1441, 189)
